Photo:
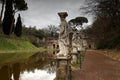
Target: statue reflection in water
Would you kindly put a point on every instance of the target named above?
(63, 72)
(7, 71)
(16, 71)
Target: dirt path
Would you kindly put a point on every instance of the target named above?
(98, 67)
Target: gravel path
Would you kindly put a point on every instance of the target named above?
(98, 67)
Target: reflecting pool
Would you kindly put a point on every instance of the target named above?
(39, 66)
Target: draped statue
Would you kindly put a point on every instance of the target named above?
(77, 42)
(66, 40)
(63, 35)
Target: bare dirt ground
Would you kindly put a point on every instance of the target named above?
(98, 67)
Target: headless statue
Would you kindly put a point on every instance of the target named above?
(77, 42)
(63, 36)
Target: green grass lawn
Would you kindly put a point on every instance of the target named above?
(15, 44)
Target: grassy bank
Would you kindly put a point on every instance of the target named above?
(15, 44)
(10, 45)
(19, 49)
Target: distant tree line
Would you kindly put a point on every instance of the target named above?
(49, 31)
(106, 27)
(31, 33)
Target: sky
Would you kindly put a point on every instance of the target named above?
(42, 13)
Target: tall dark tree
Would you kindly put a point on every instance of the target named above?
(1, 14)
(18, 27)
(107, 22)
(8, 16)
(12, 6)
(19, 5)
(78, 21)
(2, 9)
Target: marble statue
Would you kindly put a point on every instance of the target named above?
(77, 42)
(63, 35)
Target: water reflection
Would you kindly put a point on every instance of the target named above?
(16, 71)
(37, 75)
(38, 67)
(5, 73)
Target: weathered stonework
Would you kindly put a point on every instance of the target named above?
(63, 36)
(77, 42)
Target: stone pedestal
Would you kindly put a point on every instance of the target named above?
(63, 68)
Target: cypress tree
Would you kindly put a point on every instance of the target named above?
(18, 27)
(8, 16)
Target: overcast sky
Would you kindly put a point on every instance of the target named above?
(42, 13)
